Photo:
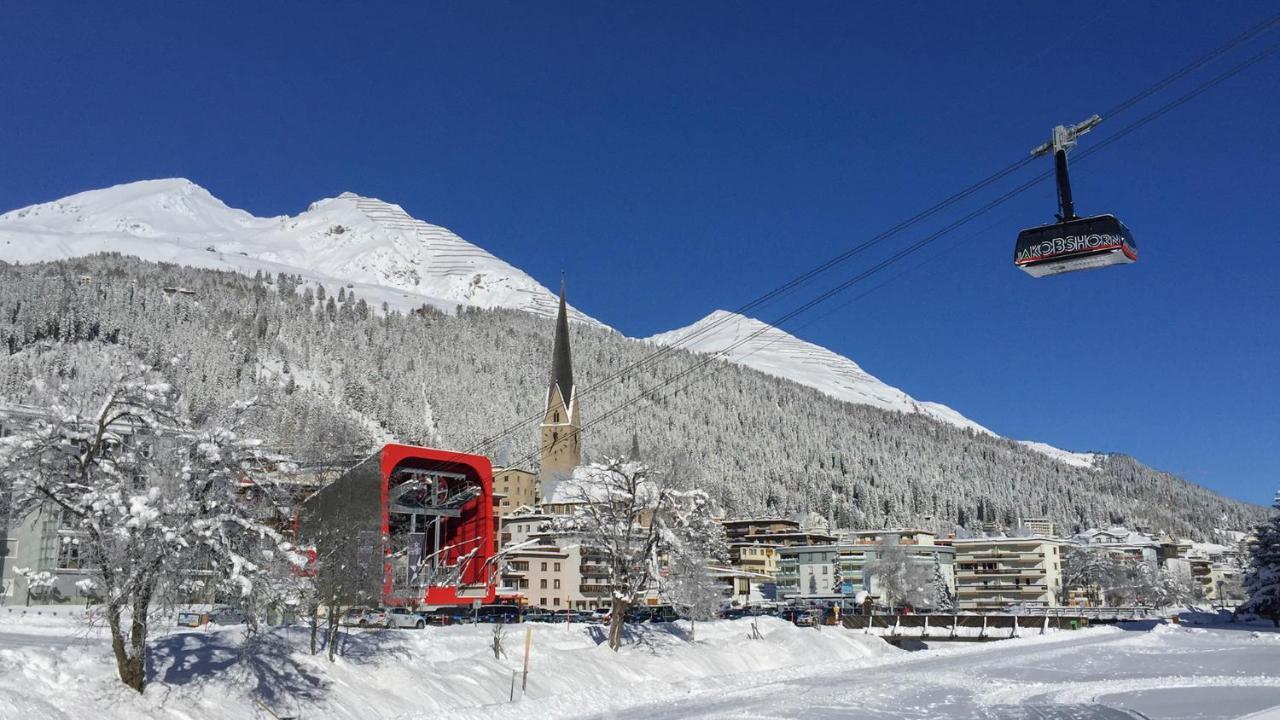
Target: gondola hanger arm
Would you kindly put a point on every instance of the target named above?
(1064, 136)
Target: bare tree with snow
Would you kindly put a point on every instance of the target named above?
(616, 504)
(153, 494)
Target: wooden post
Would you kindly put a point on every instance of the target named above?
(528, 640)
(513, 687)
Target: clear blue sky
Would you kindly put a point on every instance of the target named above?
(677, 159)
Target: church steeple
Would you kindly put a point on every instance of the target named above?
(561, 428)
(561, 363)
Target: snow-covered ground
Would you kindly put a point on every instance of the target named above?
(53, 667)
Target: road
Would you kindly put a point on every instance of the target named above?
(1100, 674)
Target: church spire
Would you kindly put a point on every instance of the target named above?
(561, 365)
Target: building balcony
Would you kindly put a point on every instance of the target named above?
(966, 590)
(1002, 573)
(1002, 556)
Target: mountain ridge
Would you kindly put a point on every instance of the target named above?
(773, 351)
(349, 239)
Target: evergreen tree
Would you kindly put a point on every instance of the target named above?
(1262, 579)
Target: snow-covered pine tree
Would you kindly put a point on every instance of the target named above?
(1262, 578)
(900, 578)
(695, 544)
(943, 599)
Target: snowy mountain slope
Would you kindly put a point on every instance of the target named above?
(350, 239)
(781, 354)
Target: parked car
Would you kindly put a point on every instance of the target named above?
(797, 617)
(573, 616)
(450, 615)
(652, 613)
(498, 614)
(353, 616)
(741, 612)
(403, 617)
(435, 617)
(375, 617)
(539, 616)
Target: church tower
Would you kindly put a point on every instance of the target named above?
(561, 425)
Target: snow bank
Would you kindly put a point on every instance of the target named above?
(407, 674)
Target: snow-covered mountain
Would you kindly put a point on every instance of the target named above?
(750, 342)
(386, 255)
(375, 246)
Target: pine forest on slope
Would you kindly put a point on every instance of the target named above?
(387, 256)
(335, 372)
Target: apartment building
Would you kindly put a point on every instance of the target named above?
(841, 571)
(515, 489)
(993, 573)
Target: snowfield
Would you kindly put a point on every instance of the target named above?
(376, 247)
(56, 668)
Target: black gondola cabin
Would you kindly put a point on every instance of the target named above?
(1078, 244)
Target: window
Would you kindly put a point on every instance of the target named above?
(10, 548)
(544, 567)
(555, 601)
(557, 584)
(557, 567)
(542, 583)
(69, 555)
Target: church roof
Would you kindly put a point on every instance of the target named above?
(561, 365)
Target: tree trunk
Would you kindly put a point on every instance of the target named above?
(130, 667)
(333, 630)
(314, 621)
(617, 620)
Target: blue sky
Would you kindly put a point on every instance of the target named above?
(680, 158)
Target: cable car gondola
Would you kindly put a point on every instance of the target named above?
(1073, 243)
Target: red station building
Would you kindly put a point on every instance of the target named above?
(407, 526)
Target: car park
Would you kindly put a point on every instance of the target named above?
(539, 615)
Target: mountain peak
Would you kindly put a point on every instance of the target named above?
(351, 238)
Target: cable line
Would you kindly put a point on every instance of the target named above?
(1253, 32)
(919, 244)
